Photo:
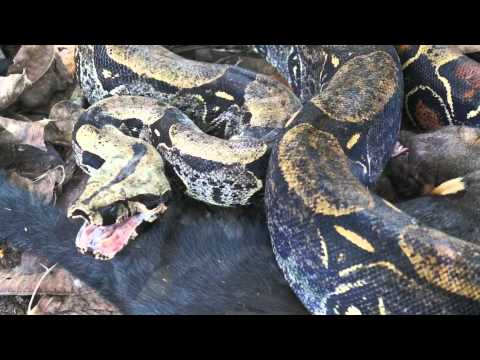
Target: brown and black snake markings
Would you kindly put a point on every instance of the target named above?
(442, 85)
(313, 149)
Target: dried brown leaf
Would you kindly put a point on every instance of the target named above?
(61, 293)
(64, 115)
(43, 186)
(36, 60)
(87, 304)
(33, 163)
(11, 87)
(65, 61)
(27, 133)
(66, 110)
(41, 93)
(58, 282)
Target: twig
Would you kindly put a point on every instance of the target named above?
(47, 271)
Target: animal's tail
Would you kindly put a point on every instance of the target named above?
(28, 225)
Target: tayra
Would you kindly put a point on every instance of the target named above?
(194, 260)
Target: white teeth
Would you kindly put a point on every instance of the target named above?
(97, 255)
(100, 256)
(82, 250)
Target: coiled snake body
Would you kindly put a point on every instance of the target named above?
(315, 147)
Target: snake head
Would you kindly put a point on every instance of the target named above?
(128, 189)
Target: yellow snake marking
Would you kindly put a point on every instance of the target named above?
(335, 61)
(204, 104)
(203, 146)
(337, 199)
(439, 56)
(443, 59)
(372, 93)
(353, 141)
(381, 307)
(224, 95)
(353, 310)
(324, 254)
(420, 52)
(107, 74)
(389, 204)
(471, 114)
(344, 288)
(158, 63)
(341, 257)
(292, 118)
(355, 239)
(270, 103)
(132, 107)
(94, 140)
(384, 264)
(435, 95)
(441, 269)
(449, 187)
(325, 58)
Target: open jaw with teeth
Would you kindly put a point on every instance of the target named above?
(105, 241)
(129, 188)
(113, 212)
(117, 198)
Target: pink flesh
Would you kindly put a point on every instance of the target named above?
(107, 241)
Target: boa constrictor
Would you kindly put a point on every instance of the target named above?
(314, 147)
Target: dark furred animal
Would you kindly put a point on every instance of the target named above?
(194, 260)
(342, 249)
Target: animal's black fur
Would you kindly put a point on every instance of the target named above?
(195, 260)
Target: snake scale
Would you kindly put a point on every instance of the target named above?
(313, 148)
